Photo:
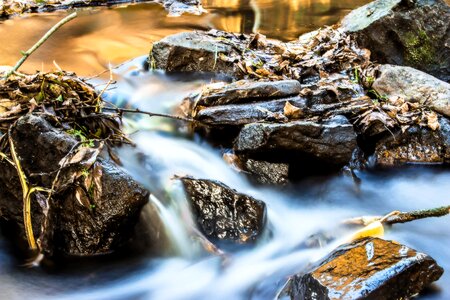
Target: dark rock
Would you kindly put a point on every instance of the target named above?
(193, 52)
(332, 140)
(242, 114)
(247, 91)
(415, 145)
(414, 33)
(371, 268)
(223, 214)
(72, 228)
(267, 172)
(414, 86)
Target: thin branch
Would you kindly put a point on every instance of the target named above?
(397, 217)
(43, 39)
(137, 111)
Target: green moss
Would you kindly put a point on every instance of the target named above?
(419, 48)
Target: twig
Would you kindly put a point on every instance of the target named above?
(99, 98)
(396, 217)
(26, 54)
(137, 111)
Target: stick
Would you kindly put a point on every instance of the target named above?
(396, 217)
(26, 54)
(137, 111)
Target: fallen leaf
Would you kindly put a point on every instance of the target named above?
(291, 111)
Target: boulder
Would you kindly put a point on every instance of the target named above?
(413, 33)
(176, 8)
(193, 52)
(414, 86)
(370, 268)
(71, 226)
(223, 214)
(332, 140)
(415, 145)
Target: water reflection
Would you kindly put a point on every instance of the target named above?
(99, 36)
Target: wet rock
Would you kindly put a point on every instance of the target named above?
(179, 7)
(73, 228)
(247, 91)
(414, 33)
(268, 172)
(224, 214)
(242, 114)
(367, 269)
(414, 86)
(193, 52)
(415, 145)
(332, 140)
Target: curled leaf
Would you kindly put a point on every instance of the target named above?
(292, 112)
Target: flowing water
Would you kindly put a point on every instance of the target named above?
(101, 36)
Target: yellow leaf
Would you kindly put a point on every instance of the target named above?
(374, 229)
(292, 112)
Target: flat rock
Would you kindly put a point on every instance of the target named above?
(223, 214)
(414, 86)
(332, 140)
(413, 33)
(192, 52)
(73, 228)
(246, 91)
(371, 268)
(415, 145)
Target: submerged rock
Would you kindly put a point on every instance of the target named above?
(414, 86)
(178, 7)
(332, 140)
(72, 227)
(267, 172)
(371, 268)
(415, 145)
(224, 214)
(414, 33)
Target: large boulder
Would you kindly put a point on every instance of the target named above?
(193, 52)
(224, 215)
(332, 140)
(371, 268)
(66, 225)
(414, 33)
(413, 86)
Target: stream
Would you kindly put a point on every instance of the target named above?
(184, 271)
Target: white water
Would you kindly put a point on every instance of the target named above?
(294, 214)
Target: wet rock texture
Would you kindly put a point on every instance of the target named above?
(332, 140)
(267, 172)
(72, 229)
(414, 33)
(415, 145)
(223, 214)
(367, 269)
(415, 86)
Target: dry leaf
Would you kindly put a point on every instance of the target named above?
(291, 111)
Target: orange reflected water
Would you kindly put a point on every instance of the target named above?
(100, 35)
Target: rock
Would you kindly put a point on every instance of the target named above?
(178, 7)
(248, 91)
(72, 229)
(332, 140)
(414, 33)
(414, 86)
(242, 114)
(415, 145)
(223, 214)
(267, 172)
(192, 52)
(371, 268)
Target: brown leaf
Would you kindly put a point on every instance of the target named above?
(97, 174)
(291, 111)
(432, 120)
(81, 197)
